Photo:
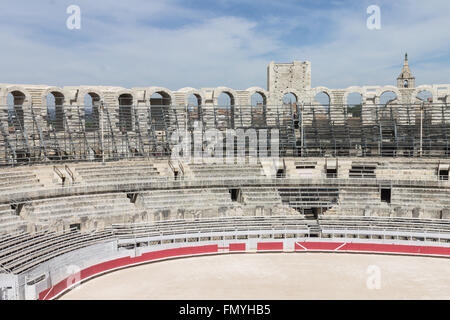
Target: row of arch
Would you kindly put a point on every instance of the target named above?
(92, 98)
(222, 96)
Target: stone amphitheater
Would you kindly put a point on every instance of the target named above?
(89, 183)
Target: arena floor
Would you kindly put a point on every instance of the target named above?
(276, 276)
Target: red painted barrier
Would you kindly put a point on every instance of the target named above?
(317, 245)
(393, 248)
(127, 261)
(372, 247)
(236, 247)
(263, 246)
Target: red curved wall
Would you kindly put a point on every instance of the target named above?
(241, 247)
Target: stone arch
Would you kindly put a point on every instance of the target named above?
(159, 106)
(26, 98)
(354, 101)
(230, 92)
(51, 90)
(91, 111)
(325, 95)
(354, 98)
(294, 92)
(89, 90)
(383, 93)
(318, 90)
(251, 91)
(380, 90)
(188, 91)
(122, 92)
(225, 114)
(54, 115)
(20, 97)
(125, 101)
(424, 96)
(194, 110)
(258, 111)
(351, 90)
(424, 88)
(168, 98)
(321, 107)
(383, 90)
(287, 100)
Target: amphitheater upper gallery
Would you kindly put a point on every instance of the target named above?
(39, 122)
(88, 183)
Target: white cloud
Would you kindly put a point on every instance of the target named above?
(162, 43)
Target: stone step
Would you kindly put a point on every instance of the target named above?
(73, 199)
(124, 208)
(76, 206)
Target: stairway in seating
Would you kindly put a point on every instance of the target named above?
(314, 228)
(309, 214)
(261, 196)
(388, 138)
(9, 221)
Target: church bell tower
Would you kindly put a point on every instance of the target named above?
(405, 80)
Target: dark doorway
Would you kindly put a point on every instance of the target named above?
(76, 226)
(331, 173)
(234, 194)
(281, 173)
(386, 195)
(443, 175)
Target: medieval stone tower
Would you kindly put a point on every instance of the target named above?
(292, 77)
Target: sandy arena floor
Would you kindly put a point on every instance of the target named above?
(276, 276)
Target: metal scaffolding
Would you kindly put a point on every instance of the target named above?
(113, 132)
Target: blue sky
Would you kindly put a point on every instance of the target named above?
(177, 44)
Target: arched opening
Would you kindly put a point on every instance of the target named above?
(125, 118)
(387, 117)
(290, 105)
(258, 109)
(425, 96)
(225, 111)
(15, 100)
(160, 98)
(159, 110)
(194, 105)
(354, 105)
(91, 111)
(322, 99)
(289, 99)
(387, 97)
(405, 84)
(321, 106)
(55, 112)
